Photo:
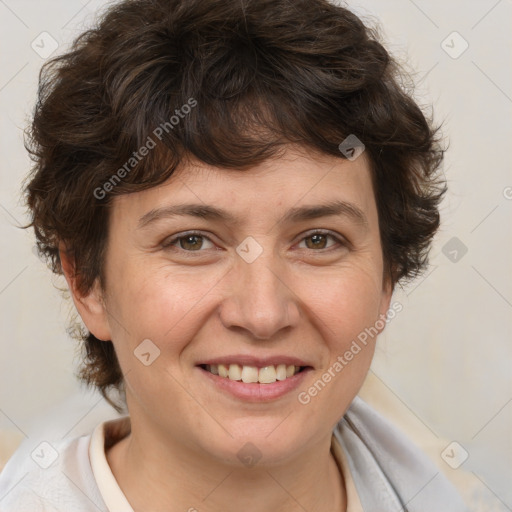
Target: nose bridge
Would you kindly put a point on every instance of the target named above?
(258, 299)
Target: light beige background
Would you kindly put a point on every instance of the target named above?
(443, 367)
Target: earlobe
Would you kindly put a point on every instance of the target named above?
(387, 293)
(91, 305)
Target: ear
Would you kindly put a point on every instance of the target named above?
(385, 301)
(90, 307)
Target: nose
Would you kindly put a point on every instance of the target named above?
(259, 300)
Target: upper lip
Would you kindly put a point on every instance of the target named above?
(259, 362)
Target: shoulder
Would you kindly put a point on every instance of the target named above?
(56, 475)
(389, 471)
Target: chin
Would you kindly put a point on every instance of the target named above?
(263, 445)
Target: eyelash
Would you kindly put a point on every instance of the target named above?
(169, 243)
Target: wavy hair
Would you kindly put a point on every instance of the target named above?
(263, 74)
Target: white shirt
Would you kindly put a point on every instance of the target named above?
(380, 468)
(81, 478)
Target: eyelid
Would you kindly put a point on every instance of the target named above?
(340, 239)
(169, 241)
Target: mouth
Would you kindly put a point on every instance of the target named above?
(253, 374)
(253, 384)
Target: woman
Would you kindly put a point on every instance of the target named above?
(232, 190)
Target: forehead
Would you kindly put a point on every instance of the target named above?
(296, 178)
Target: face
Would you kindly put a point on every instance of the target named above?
(258, 273)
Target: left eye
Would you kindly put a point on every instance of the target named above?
(319, 240)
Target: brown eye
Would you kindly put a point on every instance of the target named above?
(189, 242)
(316, 241)
(319, 241)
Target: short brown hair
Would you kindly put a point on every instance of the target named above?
(262, 73)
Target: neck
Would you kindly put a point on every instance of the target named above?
(156, 474)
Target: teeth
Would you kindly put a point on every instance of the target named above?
(267, 375)
(235, 372)
(223, 369)
(251, 374)
(281, 372)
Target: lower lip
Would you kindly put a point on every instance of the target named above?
(254, 391)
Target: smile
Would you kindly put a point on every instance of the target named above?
(252, 383)
(252, 374)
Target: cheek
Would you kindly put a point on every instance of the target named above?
(346, 301)
(159, 302)
(346, 308)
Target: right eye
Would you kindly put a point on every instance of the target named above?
(188, 242)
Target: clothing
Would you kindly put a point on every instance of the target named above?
(383, 472)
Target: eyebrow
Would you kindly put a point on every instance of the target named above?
(297, 214)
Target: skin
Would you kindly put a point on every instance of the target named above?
(297, 298)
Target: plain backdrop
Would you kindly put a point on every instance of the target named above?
(444, 362)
